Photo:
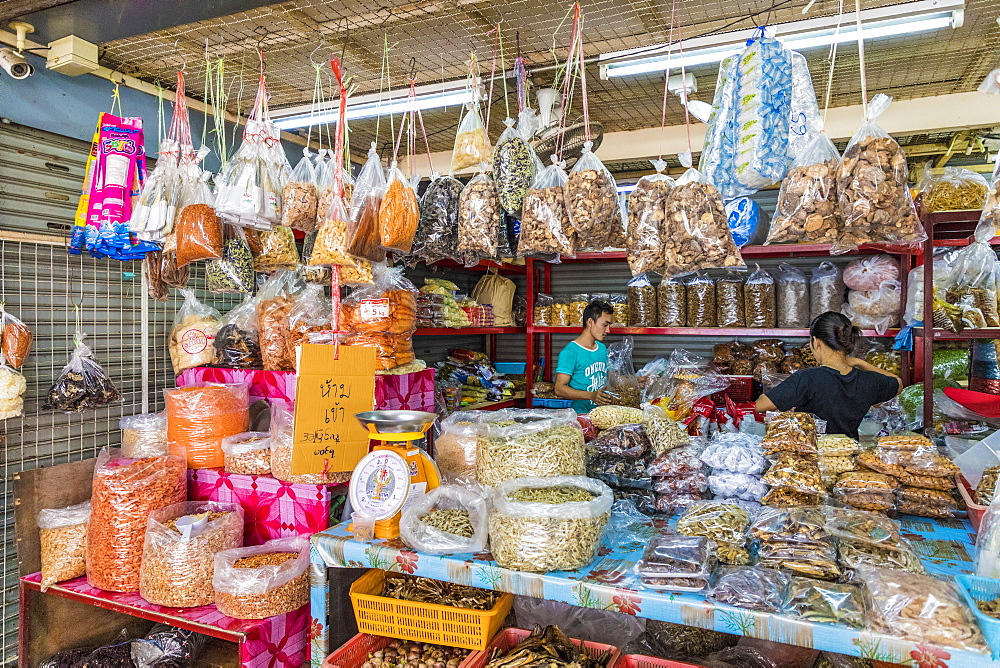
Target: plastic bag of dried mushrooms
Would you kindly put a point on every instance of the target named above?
(807, 203)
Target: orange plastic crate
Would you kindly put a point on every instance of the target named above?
(354, 653)
(426, 622)
(510, 637)
(640, 661)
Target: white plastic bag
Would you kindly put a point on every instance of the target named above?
(874, 309)
(63, 536)
(867, 273)
(430, 540)
(275, 587)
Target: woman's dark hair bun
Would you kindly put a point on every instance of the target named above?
(836, 331)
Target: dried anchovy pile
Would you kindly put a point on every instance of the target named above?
(450, 521)
(562, 494)
(424, 590)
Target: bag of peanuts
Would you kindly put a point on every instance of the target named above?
(198, 230)
(873, 194)
(646, 210)
(592, 200)
(125, 492)
(545, 226)
(478, 219)
(299, 196)
(274, 302)
(199, 417)
(262, 581)
(399, 213)
(178, 555)
(807, 202)
(696, 232)
(363, 234)
(63, 536)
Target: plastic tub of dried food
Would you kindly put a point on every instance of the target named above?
(976, 511)
(553, 403)
(356, 652)
(974, 589)
(510, 637)
(514, 368)
(641, 661)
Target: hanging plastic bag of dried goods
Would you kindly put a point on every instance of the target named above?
(642, 310)
(450, 519)
(545, 224)
(12, 389)
(200, 416)
(472, 143)
(700, 301)
(311, 312)
(277, 250)
(15, 338)
(193, 333)
(437, 233)
(826, 290)
(807, 203)
(730, 308)
(331, 242)
(873, 195)
(671, 299)
(954, 189)
(234, 271)
(82, 383)
(125, 493)
(198, 229)
(792, 292)
(362, 274)
(874, 309)
(274, 301)
(646, 211)
(761, 301)
(313, 274)
(592, 200)
(236, 343)
(398, 213)
(972, 282)
(514, 167)
(478, 219)
(364, 239)
(622, 386)
(695, 232)
(382, 316)
(299, 197)
(718, 154)
(989, 222)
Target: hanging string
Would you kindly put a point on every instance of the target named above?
(116, 101)
(583, 76)
(208, 89)
(666, 78)
(220, 100)
(314, 105)
(338, 169)
(833, 62)
(566, 97)
(521, 77)
(160, 123)
(239, 93)
(861, 57)
(384, 84)
(680, 52)
(493, 74)
(503, 72)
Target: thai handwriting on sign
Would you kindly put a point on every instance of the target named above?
(334, 392)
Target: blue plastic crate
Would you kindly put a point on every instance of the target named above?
(515, 368)
(553, 403)
(975, 588)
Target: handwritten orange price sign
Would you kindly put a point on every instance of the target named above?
(328, 392)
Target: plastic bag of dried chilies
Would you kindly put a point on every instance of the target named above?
(437, 233)
(514, 167)
(363, 234)
(592, 200)
(874, 198)
(472, 143)
(274, 301)
(82, 383)
(696, 232)
(233, 272)
(192, 334)
(299, 197)
(198, 229)
(545, 224)
(236, 343)
(398, 213)
(807, 203)
(478, 219)
(646, 211)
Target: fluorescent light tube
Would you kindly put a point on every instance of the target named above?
(397, 105)
(798, 35)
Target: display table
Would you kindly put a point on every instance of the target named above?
(608, 583)
(276, 642)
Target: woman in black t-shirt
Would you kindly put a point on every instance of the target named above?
(842, 388)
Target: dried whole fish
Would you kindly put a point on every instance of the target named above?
(548, 648)
(455, 521)
(425, 590)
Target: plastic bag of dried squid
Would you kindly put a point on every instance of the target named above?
(807, 202)
(592, 200)
(450, 519)
(399, 213)
(696, 232)
(545, 226)
(873, 194)
(646, 210)
(299, 197)
(548, 524)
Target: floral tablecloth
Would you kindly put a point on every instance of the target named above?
(609, 583)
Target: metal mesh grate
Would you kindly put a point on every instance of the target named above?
(439, 35)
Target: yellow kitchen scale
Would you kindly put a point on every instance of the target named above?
(396, 472)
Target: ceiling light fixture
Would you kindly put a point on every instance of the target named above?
(435, 96)
(893, 21)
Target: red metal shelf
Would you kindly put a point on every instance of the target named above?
(704, 331)
(484, 265)
(461, 331)
(776, 250)
(945, 335)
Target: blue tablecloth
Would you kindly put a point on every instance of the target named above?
(945, 546)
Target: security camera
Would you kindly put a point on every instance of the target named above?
(14, 64)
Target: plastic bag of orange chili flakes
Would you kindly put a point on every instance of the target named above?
(125, 493)
(399, 213)
(382, 316)
(363, 234)
(198, 229)
(200, 416)
(274, 302)
(15, 338)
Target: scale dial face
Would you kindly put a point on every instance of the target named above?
(380, 484)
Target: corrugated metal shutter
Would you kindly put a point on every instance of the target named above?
(40, 176)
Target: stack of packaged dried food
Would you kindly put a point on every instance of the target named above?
(836, 456)
(677, 563)
(678, 479)
(762, 358)
(737, 464)
(473, 377)
(795, 540)
(619, 456)
(920, 479)
(794, 476)
(724, 522)
(437, 306)
(869, 539)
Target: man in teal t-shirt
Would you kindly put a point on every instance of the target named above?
(581, 372)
